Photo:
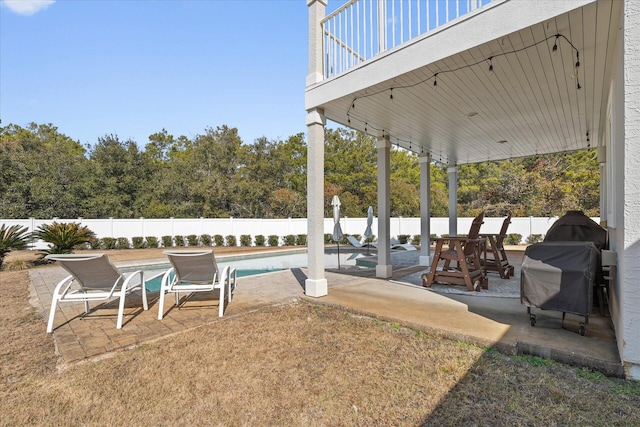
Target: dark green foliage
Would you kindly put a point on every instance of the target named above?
(123, 243)
(151, 242)
(63, 237)
(231, 240)
(138, 242)
(95, 243)
(167, 241)
(259, 240)
(205, 239)
(301, 240)
(245, 240)
(289, 240)
(192, 240)
(218, 240)
(415, 240)
(534, 238)
(108, 243)
(45, 174)
(328, 238)
(178, 240)
(513, 239)
(404, 238)
(433, 236)
(13, 237)
(273, 240)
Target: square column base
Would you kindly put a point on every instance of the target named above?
(384, 271)
(316, 288)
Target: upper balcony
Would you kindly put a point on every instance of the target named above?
(467, 81)
(363, 29)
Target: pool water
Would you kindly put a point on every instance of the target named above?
(153, 285)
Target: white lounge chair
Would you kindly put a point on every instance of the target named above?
(196, 271)
(395, 244)
(355, 243)
(98, 280)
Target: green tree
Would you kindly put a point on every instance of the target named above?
(118, 176)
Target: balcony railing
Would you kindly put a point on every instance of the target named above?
(362, 29)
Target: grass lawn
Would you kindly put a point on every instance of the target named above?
(292, 365)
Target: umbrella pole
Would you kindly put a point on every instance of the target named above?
(338, 243)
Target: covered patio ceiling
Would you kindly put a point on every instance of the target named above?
(528, 104)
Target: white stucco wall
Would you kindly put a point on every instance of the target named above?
(630, 259)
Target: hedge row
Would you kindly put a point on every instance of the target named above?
(194, 240)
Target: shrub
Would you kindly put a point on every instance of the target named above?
(123, 243)
(167, 241)
(231, 240)
(404, 238)
(14, 237)
(513, 239)
(273, 240)
(245, 240)
(205, 239)
(138, 242)
(260, 240)
(151, 241)
(289, 240)
(328, 238)
(178, 240)
(192, 239)
(94, 243)
(218, 240)
(108, 243)
(534, 238)
(301, 240)
(370, 239)
(63, 236)
(415, 240)
(433, 236)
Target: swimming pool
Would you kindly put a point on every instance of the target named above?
(253, 264)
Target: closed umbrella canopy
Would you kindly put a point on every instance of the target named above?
(337, 230)
(367, 232)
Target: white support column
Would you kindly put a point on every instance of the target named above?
(425, 208)
(317, 11)
(316, 284)
(384, 268)
(629, 260)
(453, 201)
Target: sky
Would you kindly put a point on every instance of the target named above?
(134, 67)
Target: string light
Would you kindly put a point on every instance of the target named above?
(554, 51)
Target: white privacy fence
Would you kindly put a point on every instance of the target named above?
(156, 227)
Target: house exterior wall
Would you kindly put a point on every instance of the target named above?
(629, 334)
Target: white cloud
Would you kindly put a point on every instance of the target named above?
(27, 7)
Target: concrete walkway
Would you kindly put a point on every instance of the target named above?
(501, 322)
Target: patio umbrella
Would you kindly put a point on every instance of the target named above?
(337, 230)
(367, 232)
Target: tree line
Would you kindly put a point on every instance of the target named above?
(46, 174)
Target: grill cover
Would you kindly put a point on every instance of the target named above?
(575, 226)
(559, 276)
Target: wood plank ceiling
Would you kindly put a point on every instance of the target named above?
(529, 104)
